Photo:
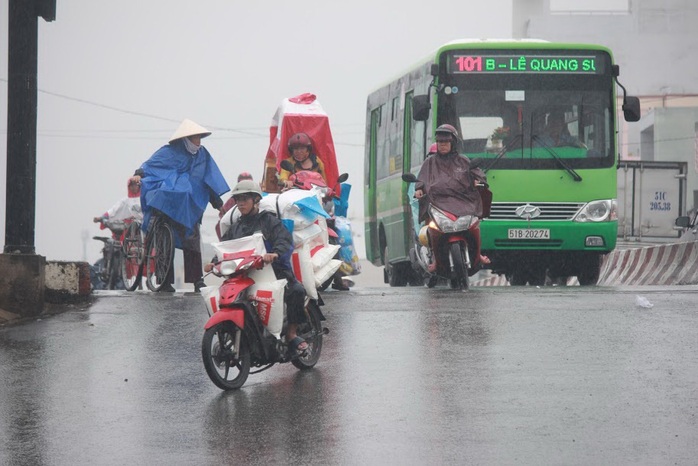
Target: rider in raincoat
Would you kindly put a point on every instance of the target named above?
(179, 180)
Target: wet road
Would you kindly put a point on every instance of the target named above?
(407, 376)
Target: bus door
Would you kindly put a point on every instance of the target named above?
(371, 226)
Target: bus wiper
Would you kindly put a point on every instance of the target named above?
(551, 151)
(503, 151)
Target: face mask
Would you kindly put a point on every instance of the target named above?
(190, 146)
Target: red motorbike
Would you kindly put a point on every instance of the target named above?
(246, 325)
(449, 246)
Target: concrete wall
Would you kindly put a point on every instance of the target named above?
(22, 283)
(27, 282)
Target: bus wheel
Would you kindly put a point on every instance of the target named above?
(589, 270)
(537, 276)
(395, 274)
(517, 278)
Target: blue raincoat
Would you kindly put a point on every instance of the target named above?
(180, 184)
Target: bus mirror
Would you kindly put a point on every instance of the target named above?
(434, 71)
(409, 178)
(682, 222)
(343, 177)
(631, 109)
(420, 107)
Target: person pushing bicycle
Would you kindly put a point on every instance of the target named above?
(179, 180)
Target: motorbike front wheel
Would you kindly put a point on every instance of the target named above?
(311, 332)
(459, 274)
(227, 369)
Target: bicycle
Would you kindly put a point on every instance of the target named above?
(133, 253)
(159, 249)
(109, 267)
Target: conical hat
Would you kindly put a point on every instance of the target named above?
(189, 128)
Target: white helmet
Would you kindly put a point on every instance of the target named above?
(246, 187)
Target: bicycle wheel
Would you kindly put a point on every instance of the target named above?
(132, 259)
(160, 252)
(114, 269)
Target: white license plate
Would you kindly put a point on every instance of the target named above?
(529, 233)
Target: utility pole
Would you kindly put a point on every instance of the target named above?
(21, 121)
(22, 271)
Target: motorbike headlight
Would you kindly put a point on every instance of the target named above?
(228, 267)
(448, 225)
(440, 220)
(464, 222)
(605, 210)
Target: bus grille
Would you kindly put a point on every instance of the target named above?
(548, 210)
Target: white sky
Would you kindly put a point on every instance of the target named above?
(226, 64)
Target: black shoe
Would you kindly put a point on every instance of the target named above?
(198, 285)
(168, 288)
(340, 286)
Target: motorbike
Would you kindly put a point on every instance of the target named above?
(246, 326)
(448, 246)
(312, 181)
(107, 269)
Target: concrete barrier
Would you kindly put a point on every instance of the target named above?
(67, 281)
(28, 282)
(665, 264)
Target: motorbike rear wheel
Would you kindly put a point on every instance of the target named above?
(311, 332)
(226, 369)
(459, 274)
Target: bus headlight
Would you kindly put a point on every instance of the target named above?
(598, 211)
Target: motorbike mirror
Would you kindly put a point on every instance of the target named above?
(409, 178)
(683, 222)
(343, 177)
(286, 165)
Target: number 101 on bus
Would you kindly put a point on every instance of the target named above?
(524, 64)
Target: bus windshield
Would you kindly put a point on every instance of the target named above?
(531, 120)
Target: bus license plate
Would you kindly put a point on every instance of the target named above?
(529, 233)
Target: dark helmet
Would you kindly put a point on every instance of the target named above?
(299, 140)
(448, 129)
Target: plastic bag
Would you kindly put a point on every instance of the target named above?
(269, 297)
(303, 269)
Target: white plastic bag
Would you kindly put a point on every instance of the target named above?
(324, 274)
(211, 297)
(323, 256)
(303, 269)
(307, 234)
(269, 296)
(253, 244)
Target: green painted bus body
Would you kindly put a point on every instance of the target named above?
(527, 175)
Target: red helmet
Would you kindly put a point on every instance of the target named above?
(448, 129)
(299, 140)
(244, 176)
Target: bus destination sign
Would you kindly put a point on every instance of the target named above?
(543, 64)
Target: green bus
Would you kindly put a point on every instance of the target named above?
(554, 209)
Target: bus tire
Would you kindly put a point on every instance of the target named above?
(589, 271)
